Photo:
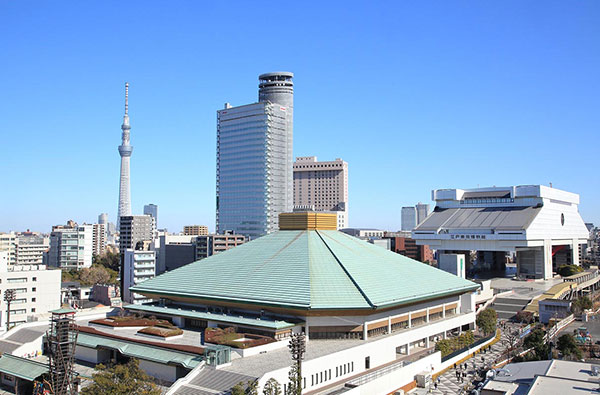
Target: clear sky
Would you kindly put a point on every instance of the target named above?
(414, 95)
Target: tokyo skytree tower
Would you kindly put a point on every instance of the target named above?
(125, 151)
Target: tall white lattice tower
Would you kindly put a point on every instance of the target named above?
(125, 150)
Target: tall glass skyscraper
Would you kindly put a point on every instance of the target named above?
(254, 159)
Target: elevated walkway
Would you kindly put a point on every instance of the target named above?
(558, 291)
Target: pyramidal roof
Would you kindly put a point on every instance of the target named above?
(308, 269)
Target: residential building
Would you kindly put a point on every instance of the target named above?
(31, 248)
(213, 244)
(37, 290)
(541, 224)
(195, 230)
(106, 294)
(135, 229)
(361, 307)
(71, 246)
(322, 186)
(152, 209)
(140, 265)
(409, 218)
(8, 243)
(422, 212)
(99, 239)
(254, 159)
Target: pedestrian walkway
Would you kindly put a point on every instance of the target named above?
(450, 383)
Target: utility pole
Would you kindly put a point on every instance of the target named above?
(297, 348)
(9, 296)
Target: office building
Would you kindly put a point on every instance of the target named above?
(409, 217)
(195, 230)
(362, 308)
(402, 243)
(125, 150)
(422, 212)
(152, 209)
(139, 266)
(254, 159)
(31, 248)
(364, 233)
(174, 251)
(8, 243)
(322, 186)
(71, 246)
(37, 290)
(541, 224)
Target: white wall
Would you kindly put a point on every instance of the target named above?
(159, 370)
(380, 351)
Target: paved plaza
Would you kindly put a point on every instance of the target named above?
(449, 383)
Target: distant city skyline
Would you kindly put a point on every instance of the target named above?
(414, 97)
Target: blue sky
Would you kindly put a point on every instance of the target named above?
(413, 95)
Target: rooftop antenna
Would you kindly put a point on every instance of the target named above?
(126, 98)
(550, 185)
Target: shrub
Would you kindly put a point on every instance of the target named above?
(448, 346)
(569, 270)
(524, 317)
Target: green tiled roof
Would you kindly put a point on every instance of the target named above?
(188, 313)
(21, 367)
(140, 351)
(317, 269)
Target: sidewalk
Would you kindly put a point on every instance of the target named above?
(449, 383)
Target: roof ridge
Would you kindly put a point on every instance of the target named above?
(364, 295)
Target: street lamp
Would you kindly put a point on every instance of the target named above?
(9, 296)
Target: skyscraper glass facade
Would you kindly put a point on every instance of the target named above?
(254, 160)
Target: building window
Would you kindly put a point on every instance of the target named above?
(33, 289)
(33, 309)
(367, 362)
(33, 299)
(33, 278)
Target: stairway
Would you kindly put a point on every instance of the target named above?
(506, 308)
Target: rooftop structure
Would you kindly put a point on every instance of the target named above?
(533, 220)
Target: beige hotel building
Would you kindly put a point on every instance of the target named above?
(322, 186)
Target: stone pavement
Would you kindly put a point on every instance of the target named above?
(448, 382)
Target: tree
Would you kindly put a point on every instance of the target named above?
(525, 317)
(294, 386)
(568, 346)
(486, 321)
(568, 270)
(511, 341)
(94, 275)
(536, 341)
(124, 379)
(249, 388)
(583, 303)
(272, 387)
(109, 260)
